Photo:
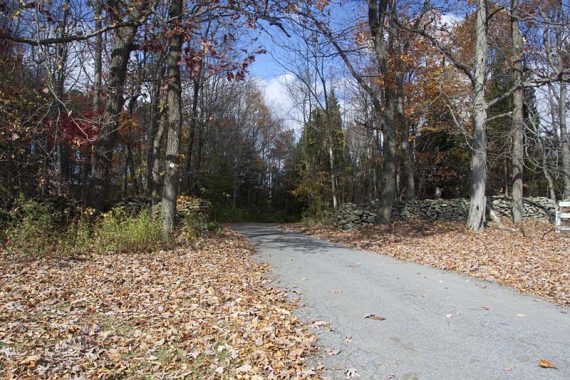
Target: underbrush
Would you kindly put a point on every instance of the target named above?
(115, 231)
(31, 228)
(34, 229)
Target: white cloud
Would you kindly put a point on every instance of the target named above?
(275, 91)
(278, 98)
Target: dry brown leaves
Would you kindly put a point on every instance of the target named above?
(537, 262)
(198, 314)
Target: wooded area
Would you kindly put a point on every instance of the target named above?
(131, 132)
(105, 100)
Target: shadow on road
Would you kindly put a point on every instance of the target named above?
(269, 237)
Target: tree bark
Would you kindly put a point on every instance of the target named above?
(518, 117)
(564, 141)
(156, 177)
(174, 125)
(332, 166)
(198, 160)
(477, 206)
(57, 109)
(193, 125)
(388, 175)
(122, 47)
(98, 68)
(152, 131)
(405, 146)
(98, 59)
(153, 149)
(377, 14)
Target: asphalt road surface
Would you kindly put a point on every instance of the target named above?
(438, 324)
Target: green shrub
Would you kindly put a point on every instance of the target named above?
(32, 230)
(214, 227)
(77, 240)
(118, 232)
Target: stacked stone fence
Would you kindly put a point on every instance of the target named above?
(351, 215)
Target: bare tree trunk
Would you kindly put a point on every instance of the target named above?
(174, 123)
(518, 117)
(405, 146)
(153, 129)
(156, 177)
(198, 160)
(193, 125)
(122, 47)
(131, 167)
(57, 109)
(125, 172)
(332, 167)
(153, 150)
(564, 141)
(98, 15)
(388, 175)
(547, 175)
(477, 206)
(98, 58)
(378, 13)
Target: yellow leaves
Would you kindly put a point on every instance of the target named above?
(544, 363)
(30, 361)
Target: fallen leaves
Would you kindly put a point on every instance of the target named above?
(322, 325)
(374, 317)
(536, 263)
(544, 363)
(191, 313)
(351, 373)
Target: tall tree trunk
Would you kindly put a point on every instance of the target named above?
(153, 150)
(564, 141)
(333, 173)
(98, 58)
(57, 111)
(518, 117)
(122, 47)
(198, 160)
(378, 13)
(98, 15)
(406, 147)
(477, 206)
(193, 124)
(561, 53)
(125, 172)
(156, 177)
(388, 175)
(152, 131)
(174, 125)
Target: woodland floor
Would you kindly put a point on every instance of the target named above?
(537, 262)
(199, 313)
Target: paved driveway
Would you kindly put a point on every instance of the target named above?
(438, 325)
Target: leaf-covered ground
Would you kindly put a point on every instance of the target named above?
(191, 313)
(537, 262)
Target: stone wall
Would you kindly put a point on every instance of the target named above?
(351, 215)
